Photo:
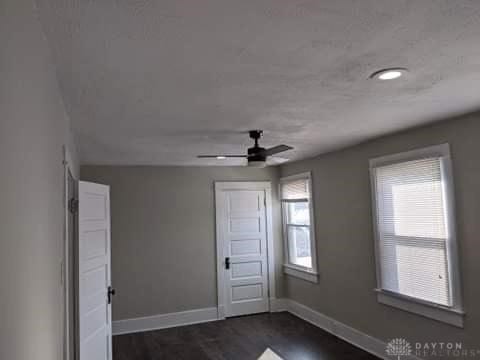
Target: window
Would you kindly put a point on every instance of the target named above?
(297, 226)
(415, 235)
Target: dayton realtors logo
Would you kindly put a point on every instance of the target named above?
(448, 350)
(399, 347)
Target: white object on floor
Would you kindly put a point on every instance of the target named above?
(269, 355)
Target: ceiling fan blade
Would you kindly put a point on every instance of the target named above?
(275, 160)
(277, 149)
(220, 156)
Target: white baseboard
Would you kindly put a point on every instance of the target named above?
(278, 305)
(345, 332)
(164, 321)
(189, 317)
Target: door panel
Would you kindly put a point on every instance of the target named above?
(248, 269)
(245, 244)
(244, 225)
(245, 247)
(94, 272)
(247, 292)
(95, 244)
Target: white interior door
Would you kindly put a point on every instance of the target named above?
(94, 318)
(243, 227)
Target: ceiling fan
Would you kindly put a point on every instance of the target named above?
(256, 155)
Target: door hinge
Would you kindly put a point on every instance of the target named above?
(73, 205)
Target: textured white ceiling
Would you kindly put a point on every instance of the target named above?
(160, 81)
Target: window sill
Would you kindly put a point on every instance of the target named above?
(300, 273)
(437, 312)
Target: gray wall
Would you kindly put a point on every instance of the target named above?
(33, 128)
(344, 234)
(163, 234)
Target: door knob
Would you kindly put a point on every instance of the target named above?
(227, 263)
(110, 293)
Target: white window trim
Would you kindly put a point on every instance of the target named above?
(293, 269)
(453, 315)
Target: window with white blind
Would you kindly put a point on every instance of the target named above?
(415, 234)
(296, 195)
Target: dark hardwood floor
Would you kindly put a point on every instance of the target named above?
(241, 338)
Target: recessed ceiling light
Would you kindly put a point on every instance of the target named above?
(221, 157)
(388, 74)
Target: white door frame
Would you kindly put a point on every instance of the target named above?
(65, 262)
(243, 185)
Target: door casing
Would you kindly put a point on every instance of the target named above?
(68, 259)
(265, 186)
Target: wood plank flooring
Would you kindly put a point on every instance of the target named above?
(241, 338)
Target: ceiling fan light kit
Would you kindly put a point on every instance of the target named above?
(257, 163)
(256, 155)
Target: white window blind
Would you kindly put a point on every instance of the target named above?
(295, 190)
(412, 229)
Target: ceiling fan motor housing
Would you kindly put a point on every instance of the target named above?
(256, 153)
(256, 156)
